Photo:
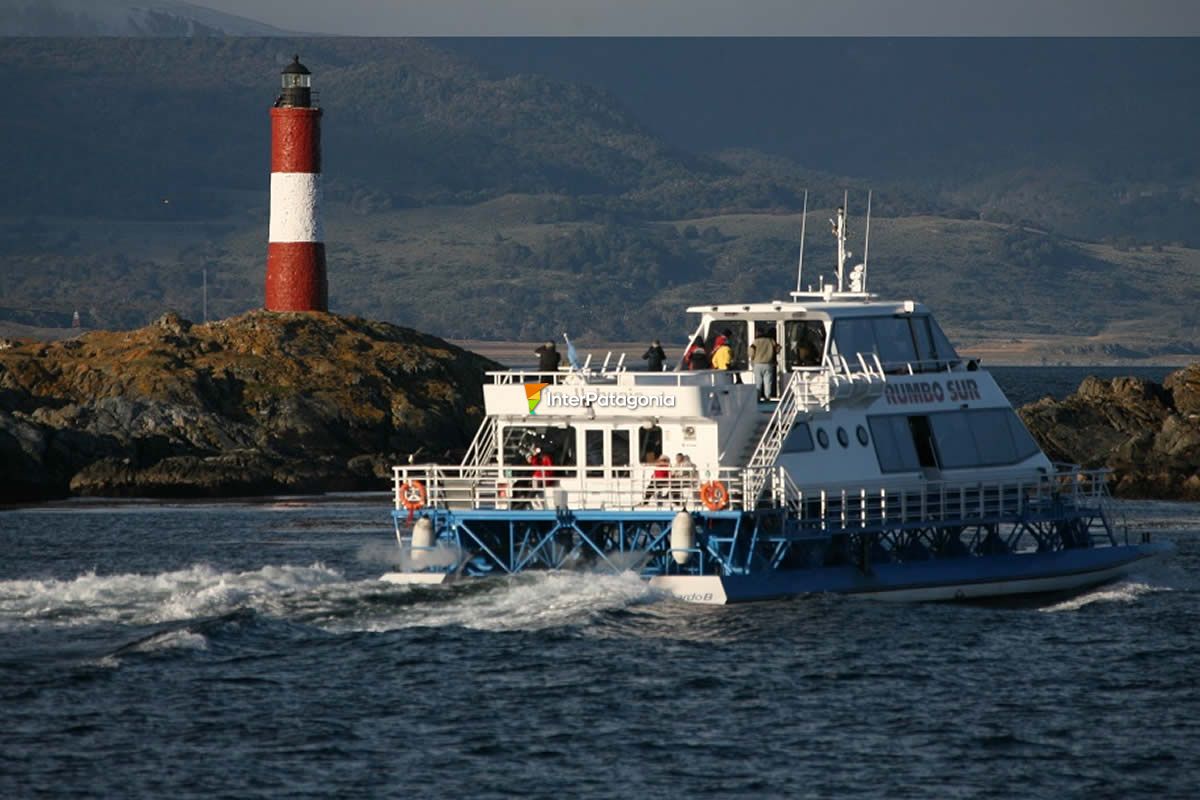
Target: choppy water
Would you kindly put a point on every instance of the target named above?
(246, 650)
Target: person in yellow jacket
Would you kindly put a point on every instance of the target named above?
(722, 356)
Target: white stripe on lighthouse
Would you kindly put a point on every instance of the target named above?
(296, 207)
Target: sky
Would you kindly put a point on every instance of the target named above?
(722, 17)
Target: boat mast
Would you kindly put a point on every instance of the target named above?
(803, 221)
(839, 230)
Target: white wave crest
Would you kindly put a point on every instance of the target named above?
(170, 640)
(1126, 591)
(533, 601)
(147, 599)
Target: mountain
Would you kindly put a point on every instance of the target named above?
(477, 202)
(1091, 137)
(154, 18)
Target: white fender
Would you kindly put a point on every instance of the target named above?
(683, 537)
(422, 538)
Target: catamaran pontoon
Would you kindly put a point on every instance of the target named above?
(886, 465)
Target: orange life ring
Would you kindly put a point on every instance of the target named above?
(714, 495)
(412, 494)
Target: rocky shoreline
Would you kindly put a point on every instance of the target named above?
(271, 403)
(1147, 433)
(257, 404)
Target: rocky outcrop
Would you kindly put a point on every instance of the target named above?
(260, 403)
(1147, 433)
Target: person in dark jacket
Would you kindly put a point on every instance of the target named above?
(655, 357)
(698, 356)
(548, 357)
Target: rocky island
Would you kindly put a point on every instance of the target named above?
(257, 404)
(1147, 433)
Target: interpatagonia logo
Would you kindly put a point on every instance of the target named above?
(533, 394)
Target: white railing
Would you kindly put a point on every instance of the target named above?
(482, 451)
(578, 487)
(708, 377)
(642, 487)
(940, 501)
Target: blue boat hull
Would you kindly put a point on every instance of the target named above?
(941, 579)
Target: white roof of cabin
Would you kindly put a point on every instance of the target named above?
(792, 310)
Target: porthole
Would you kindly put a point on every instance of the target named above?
(863, 439)
(843, 437)
(823, 438)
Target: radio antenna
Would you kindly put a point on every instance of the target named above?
(866, 242)
(803, 221)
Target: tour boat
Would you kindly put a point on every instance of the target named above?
(883, 464)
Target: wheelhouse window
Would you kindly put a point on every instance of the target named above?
(803, 343)
(900, 342)
(522, 442)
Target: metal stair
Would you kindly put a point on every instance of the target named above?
(795, 397)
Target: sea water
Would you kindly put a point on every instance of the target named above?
(247, 649)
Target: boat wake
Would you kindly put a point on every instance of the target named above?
(1127, 590)
(312, 595)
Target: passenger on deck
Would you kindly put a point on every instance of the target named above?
(697, 357)
(548, 357)
(660, 478)
(762, 356)
(655, 357)
(685, 479)
(722, 356)
(543, 477)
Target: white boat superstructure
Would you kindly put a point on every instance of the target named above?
(880, 462)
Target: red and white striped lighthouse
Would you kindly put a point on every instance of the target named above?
(296, 279)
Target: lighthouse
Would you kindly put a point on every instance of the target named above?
(296, 279)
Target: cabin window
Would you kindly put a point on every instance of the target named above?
(894, 445)
(962, 439)
(993, 438)
(893, 337)
(854, 336)
(923, 338)
(650, 443)
(945, 350)
(800, 439)
(593, 453)
(520, 441)
(898, 341)
(803, 343)
(955, 444)
(1023, 441)
(620, 453)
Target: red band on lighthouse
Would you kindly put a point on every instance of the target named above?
(296, 277)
